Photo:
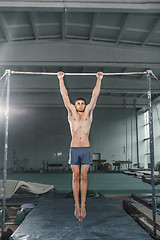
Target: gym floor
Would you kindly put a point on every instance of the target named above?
(106, 183)
(106, 219)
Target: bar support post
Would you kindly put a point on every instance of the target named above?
(151, 149)
(8, 74)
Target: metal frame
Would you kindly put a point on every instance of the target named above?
(151, 151)
(85, 74)
(148, 73)
(5, 149)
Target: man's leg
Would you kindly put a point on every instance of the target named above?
(75, 187)
(84, 170)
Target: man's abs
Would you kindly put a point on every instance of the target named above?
(80, 139)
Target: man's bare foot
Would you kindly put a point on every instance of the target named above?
(77, 212)
(83, 212)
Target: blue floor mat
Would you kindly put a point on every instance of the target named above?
(53, 218)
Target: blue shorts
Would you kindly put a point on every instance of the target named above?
(80, 155)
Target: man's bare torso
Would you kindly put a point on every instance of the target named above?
(80, 127)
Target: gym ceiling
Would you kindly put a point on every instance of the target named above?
(81, 37)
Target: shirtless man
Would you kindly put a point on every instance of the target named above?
(80, 119)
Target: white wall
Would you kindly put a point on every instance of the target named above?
(108, 135)
(41, 133)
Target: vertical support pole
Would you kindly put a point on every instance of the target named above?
(138, 165)
(5, 150)
(151, 150)
(131, 137)
(126, 127)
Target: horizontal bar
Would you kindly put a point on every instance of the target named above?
(77, 74)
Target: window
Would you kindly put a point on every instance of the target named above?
(147, 139)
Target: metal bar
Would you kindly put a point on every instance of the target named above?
(5, 150)
(1, 97)
(126, 129)
(137, 142)
(78, 74)
(131, 136)
(126, 136)
(151, 150)
(3, 76)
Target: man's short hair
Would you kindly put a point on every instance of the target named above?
(80, 98)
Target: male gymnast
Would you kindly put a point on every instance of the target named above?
(80, 119)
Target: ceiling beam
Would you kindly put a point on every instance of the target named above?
(3, 26)
(93, 27)
(144, 94)
(33, 24)
(108, 105)
(135, 65)
(103, 91)
(125, 21)
(151, 31)
(76, 54)
(64, 24)
(82, 41)
(75, 5)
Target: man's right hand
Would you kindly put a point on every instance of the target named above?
(60, 74)
(99, 75)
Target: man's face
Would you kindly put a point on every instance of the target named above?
(80, 106)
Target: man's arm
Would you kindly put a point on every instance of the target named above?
(64, 92)
(95, 92)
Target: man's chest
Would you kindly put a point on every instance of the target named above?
(79, 120)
